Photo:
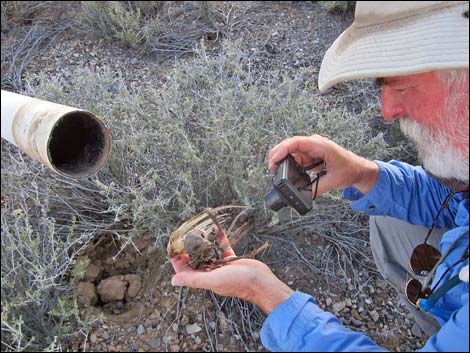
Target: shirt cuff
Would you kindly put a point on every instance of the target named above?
(376, 202)
(281, 319)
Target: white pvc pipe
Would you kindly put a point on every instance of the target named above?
(72, 142)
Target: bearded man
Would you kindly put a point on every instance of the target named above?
(418, 52)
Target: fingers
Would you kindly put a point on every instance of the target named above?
(303, 148)
(180, 262)
(194, 279)
(225, 244)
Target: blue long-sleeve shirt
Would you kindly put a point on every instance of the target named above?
(407, 193)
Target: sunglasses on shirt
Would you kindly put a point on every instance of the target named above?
(424, 261)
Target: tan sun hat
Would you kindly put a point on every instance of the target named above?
(393, 38)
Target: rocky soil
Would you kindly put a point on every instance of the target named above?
(132, 286)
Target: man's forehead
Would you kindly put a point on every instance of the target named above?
(396, 79)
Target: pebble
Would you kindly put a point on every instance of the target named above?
(193, 328)
(416, 331)
(140, 330)
(93, 338)
(134, 346)
(374, 315)
(339, 306)
(154, 342)
(355, 322)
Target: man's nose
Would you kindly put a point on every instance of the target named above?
(392, 108)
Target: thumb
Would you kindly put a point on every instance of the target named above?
(178, 281)
(192, 279)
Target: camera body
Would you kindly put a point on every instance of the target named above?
(290, 187)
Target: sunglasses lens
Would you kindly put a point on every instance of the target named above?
(414, 291)
(423, 259)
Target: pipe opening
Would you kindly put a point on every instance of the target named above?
(79, 144)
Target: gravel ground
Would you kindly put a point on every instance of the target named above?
(286, 36)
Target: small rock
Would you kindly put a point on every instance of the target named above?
(355, 314)
(197, 340)
(122, 264)
(140, 330)
(328, 301)
(87, 293)
(339, 306)
(134, 346)
(155, 314)
(374, 315)
(135, 283)
(355, 322)
(112, 288)
(105, 335)
(175, 348)
(93, 338)
(93, 271)
(192, 328)
(405, 348)
(154, 342)
(416, 331)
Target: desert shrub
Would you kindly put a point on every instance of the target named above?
(37, 254)
(111, 20)
(164, 29)
(20, 12)
(28, 29)
(339, 7)
(155, 25)
(199, 140)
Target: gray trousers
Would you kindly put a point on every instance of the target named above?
(392, 242)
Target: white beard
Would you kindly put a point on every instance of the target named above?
(437, 155)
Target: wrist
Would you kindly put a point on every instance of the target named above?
(269, 293)
(367, 175)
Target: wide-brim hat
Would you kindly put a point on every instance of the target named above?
(395, 38)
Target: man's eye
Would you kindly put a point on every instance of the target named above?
(400, 89)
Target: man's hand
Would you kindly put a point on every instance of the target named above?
(245, 278)
(344, 167)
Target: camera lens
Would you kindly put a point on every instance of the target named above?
(273, 200)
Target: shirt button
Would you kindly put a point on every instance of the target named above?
(371, 208)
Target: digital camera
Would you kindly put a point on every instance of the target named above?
(291, 187)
